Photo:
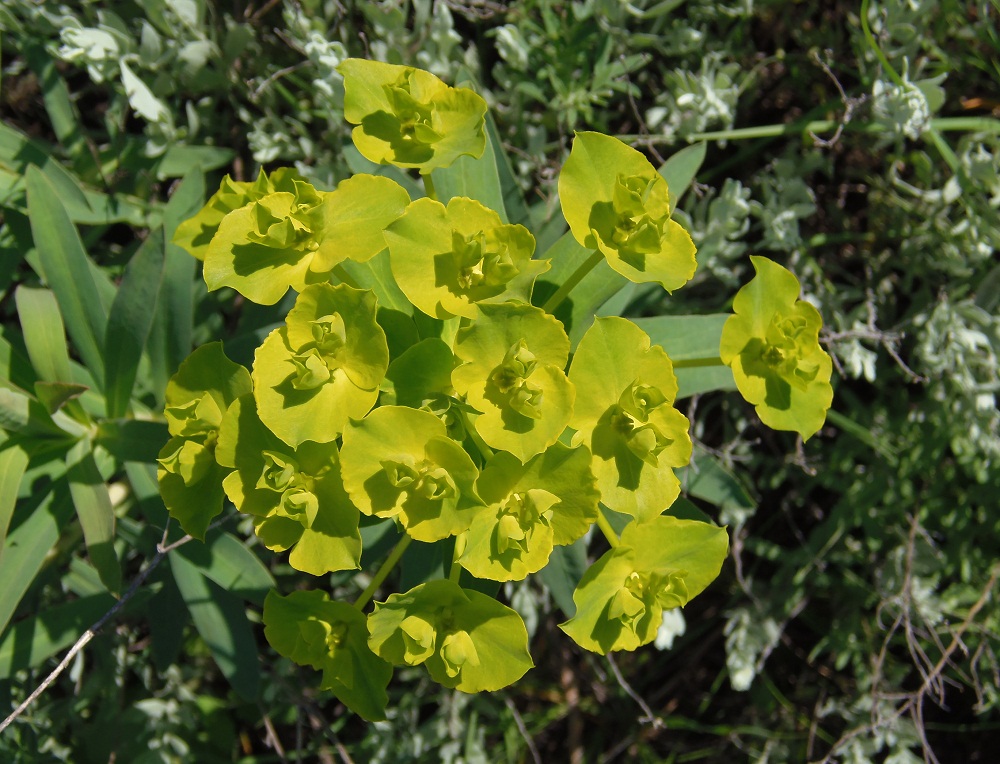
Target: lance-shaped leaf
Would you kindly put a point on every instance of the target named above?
(409, 117)
(449, 259)
(399, 462)
(323, 367)
(514, 356)
(660, 564)
(267, 246)
(421, 378)
(550, 501)
(614, 200)
(197, 397)
(772, 345)
(296, 495)
(195, 234)
(466, 639)
(624, 413)
(310, 629)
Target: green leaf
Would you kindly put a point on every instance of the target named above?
(410, 118)
(772, 346)
(54, 395)
(421, 372)
(308, 628)
(130, 320)
(616, 202)
(221, 620)
(708, 479)
(625, 415)
(44, 334)
(514, 356)
(562, 575)
(449, 260)
(28, 545)
(132, 440)
(228, 562)
(180, 160)
(660, 564)
(67, 271)
(473, 178)
(692, 342)
(466, 639)
(13, 463)
(679, 171)
(97, 517)
(399, 462)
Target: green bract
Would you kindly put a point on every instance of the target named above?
(514, 356)
(660, 564)
(323, 367)
(296, 495)
(624, 413)
(330, 636)
(551, 500)
(197, 398)
(448, 259)
(466, 639)
(410, 118)
(399, 462)
(772, 345)
(421, 378)
(615, 201)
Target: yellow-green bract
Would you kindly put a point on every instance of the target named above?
(615, 201)
(409, 117)
(772, 345)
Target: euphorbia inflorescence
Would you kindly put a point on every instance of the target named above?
(415, 390)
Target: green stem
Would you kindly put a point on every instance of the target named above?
(382, 572)
(429, 187)
(456, 570)
(477, 439)
(873, 44)
(607, 530)
(695, 363)
(575, 278)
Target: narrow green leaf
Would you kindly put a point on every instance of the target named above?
(67, 270)
(169, 340)
(221, 620)
(707, 479)
(31, 641)
(562, 575)
(513, 198)
(54, 395)
(129, 322)
(685, 337)
(227, 561)
(376, 274)
(680, 169)
(132, 440)
(27, 546)
(166, 629)
(62, 111)
(181, 160)
(13, 463)
(44, 333)
(476, 179)
(93, 508)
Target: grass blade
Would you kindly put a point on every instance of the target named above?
(97, 516)
(13, 463)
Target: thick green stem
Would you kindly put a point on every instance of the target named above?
(477, 439)
(380, 575)
(429, 187)
(575, 278)
(607, 530)
(456, 570)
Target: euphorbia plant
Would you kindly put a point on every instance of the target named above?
(442, 401)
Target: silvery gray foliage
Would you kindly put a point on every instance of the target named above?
(695, 101)
(719, 221)
(785, 201)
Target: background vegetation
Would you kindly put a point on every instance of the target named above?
(857, 620)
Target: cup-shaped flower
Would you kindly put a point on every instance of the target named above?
(512, 372)
(614, 200)
(311, 630)
(660, 564)
(296, 495)
(772, 345)
(197, 398)
(449, 259)
(466, 639)
(324, 366)
(408, 117)
(624, 414)
(549, 501)
(399, 462)
(195, 233)
(293, 235)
